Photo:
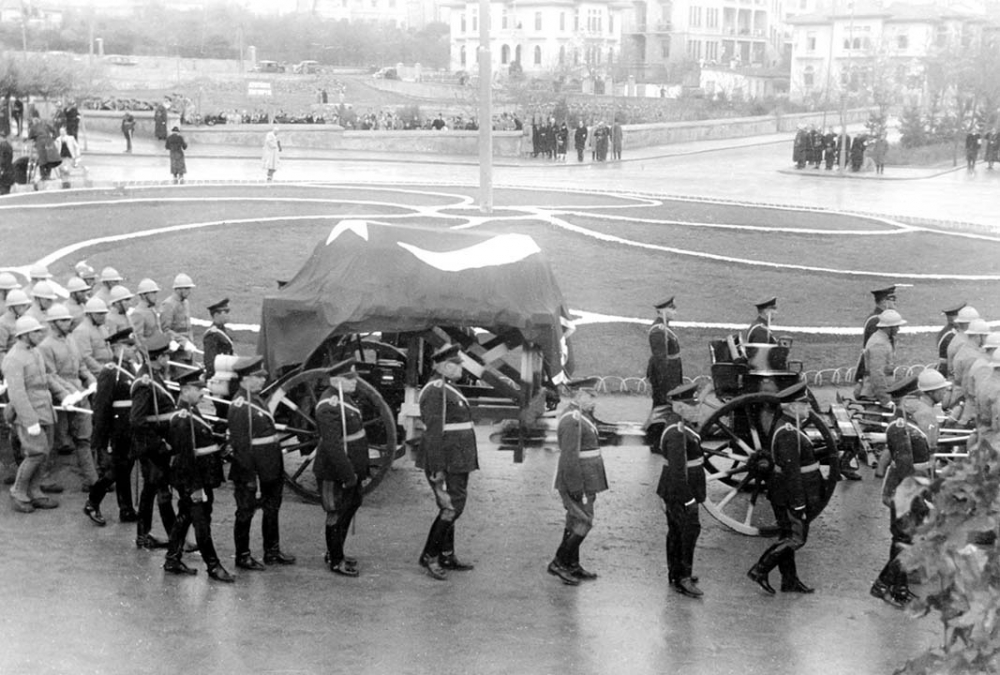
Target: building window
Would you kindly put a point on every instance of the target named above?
(810, 42)
(475, 19)
(562, 22)
(611, 56)
(538, 55)
(504, 18)
(594, 21)
(808, 77)
(517, 54)
(611, 23)
(505, 54)
(694, 49)
(461, 55)
(562, 55)
(712, 17)
(694, 17)
(712, 50)
(538, 21)
(665, 49)
(463, 24)
(576, 20)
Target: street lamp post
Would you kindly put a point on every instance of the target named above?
(485, 111)
(843, 99)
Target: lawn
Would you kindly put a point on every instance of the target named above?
(261, 235)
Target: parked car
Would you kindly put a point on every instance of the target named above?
(269, 67)
(386, 74)
(119, 60)
(306, 68)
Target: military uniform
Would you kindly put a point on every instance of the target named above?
(959, 339)
(664, 370)
(152, 409)
(988, 408)
(256, 457)
(30, 403)
(117, 320)
(145, 321)
(195, 472)
(112, 437)
(447, 454)
(869, 329)
(175, 322)
(215, 342)
(7, 335)
(880, 359)
(682, 488)
(340, 466)
(760, 332)
(92, 343)
(77, 310)
(944, 338)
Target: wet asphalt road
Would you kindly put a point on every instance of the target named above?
(80, 599)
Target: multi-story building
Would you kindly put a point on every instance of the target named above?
(397, 13)
(541, 36)
(856, 46)
(737, 32)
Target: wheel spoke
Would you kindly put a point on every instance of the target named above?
(728, 473)
(732, 434)
(286, 449)
(750, 508)
(728, 498)
(302, 468)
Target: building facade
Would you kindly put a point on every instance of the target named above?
(871, 47)
(397, 13)
(540, 36)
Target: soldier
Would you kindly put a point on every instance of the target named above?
(118, 304)
(682, 488)
(109, 279)
(86, 273)
(8, 283)
(112, 437)
(31, 413)
(44, 296)
(664, 370)
(79, 293)
(945, 336)
(196, 470)
(18, 303)
(91, 336)
(880, 357)
(795, 487)
(988, 408)
(760, 328)
(962, 321)
(885, 298)
(911, 439)
(256, 457)
(966, 356)
(341, 462)
(216, 339)
(69, 382)
(38, 272)
(144, 317)
(579, 478)
(152, 408)
(979, 376)
(447, 454)
(175, 318)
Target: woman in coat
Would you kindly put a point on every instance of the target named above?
(272, 149)
(177, 145)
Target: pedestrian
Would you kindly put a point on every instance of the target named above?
(992, 153)
(447, 455)
(911, 439)
(973, 140)
(879, 150)
(149, 418)
(31, 413)
(43, 136)
(800, 147)
(160, 121)
(69, 154)
(829, 148)
(341, 462)
(112, 430)
(682, 489)
(663, 369)
(858, 152)
(17, 114)
(272, 151)
(562, 140)
(580, 139)
(794, 488)
(601, 141)
(195, 472)
(945, 336)
(71, 115)
(6, 163)
(144, 317)
(177, 145)
(580, 476)
(128, 130)
(70, 383)
(759, 332)
(257, 459)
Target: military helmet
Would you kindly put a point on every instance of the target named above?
(147, 286)
(930, 379)
(26, 324)
(119, 293)
(76, 285)
(8, 281)
(84, 271)
(57, 311)
(992, 341)
(95, 306)
(43, 289)
(109, 274)
(183, 281)
(39, 271)
(890, 318)
(966, 314)
(17, 297)
(978, 327)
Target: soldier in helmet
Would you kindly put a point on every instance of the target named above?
(91, 336)
(885, 298)
(144, 317)
(149, 418)
(682, 489)
(447, 454)
(760, 328)
(86, 273)
(38, 272)
(17, 303)
(988, 408)
(911, 439)
(341, 462)
(945, 336)
(580, 476)
(257, 460)
(44, 296)
(964, 317)
(69, 381)
(175, 318)
(968, 353)
(112, 437)
(8, 282)
(795, 487)
(979, 376)
(32, 414)
(118, 304)
(79, 293)
(880, 357)
(109, 279)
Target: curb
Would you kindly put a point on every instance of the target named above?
(859, 176)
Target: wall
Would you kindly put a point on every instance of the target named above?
(110, 121)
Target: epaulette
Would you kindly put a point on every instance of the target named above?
(109, 366)
(182, 413)
(144, 380)
(239, 402)
(329, 400)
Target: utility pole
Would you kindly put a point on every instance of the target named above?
(485, 111)
(843, 97)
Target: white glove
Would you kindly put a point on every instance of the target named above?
(3, 388)
(174, 346)
(72, 399)
(188, 347)
(198, 496)
(35, 430)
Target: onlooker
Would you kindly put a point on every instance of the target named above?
(272, 149)
(6, 164)
(878, 151)
(17, 113)
(46, 151)
(128, 129)
(69, 153)
(617, 138)
(177, 145)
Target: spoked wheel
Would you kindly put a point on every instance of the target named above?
(736, 458)
(293, 400)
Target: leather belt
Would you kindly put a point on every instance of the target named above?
(691, 463)
(206, 450)
(458, 426)
(356, 436)
(585, 454)
(921, 466)
(264, 440)
(809, 468)
(163, 417)
(122, 404)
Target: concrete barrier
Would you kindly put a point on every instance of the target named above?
(110, 122)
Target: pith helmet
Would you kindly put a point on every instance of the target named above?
(147, 286)
(76, 284)
(890, 318)
(17, 297)
(56, 312)
(110, 274)
(966, 314)
(43, 289)
(183, 281)
(95, 306)
(930, 379)
(26, 324)
(119, 293)
(8, 281)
